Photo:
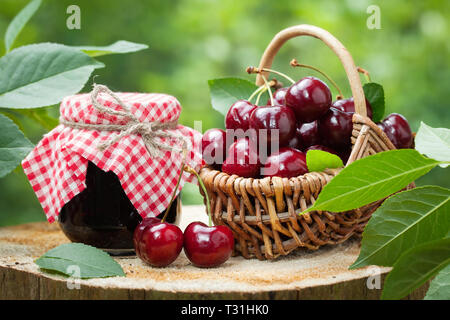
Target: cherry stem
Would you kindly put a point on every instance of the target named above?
(200, 181)
(260, 90)
(260, 71)
(365, 73)
(256, 92)
(260, 94)
(294, 63)
(268, 88)
(176, 187)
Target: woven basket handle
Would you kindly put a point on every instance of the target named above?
(334, 44)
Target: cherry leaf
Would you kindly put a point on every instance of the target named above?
(121, 46)
(318, 160)
(399, 222)
(374, 93)
(19, 21)
(87, 261)
(14, 146)
(415, 267)
(372, 178)
(440, 286)
(434, 143)
(42, 74)
(226, 91)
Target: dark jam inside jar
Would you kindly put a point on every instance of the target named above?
(102, 215)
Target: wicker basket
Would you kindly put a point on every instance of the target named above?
(263, 213)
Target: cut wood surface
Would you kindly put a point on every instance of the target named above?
(321, 274)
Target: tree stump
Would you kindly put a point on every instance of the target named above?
(321, 274)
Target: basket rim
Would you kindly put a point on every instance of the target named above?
(216, 180)
(328, 172)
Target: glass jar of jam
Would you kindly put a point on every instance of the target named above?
(109, 145)
(102, 215)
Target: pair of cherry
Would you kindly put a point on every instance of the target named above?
(159, 243)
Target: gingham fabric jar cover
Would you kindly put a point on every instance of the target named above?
(57, 166)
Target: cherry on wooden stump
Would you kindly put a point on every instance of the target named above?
(157, 242)
(207, 246)
(160, 244)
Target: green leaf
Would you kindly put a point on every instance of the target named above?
(19, 21)
(14, 146)
(415, 267)
(13, 117)
(42, 74)
(440, 286)
(403, 221)
(92, 262)
(226, 91)
(120, 46)
(433, 142)
(318, 160)
(372, 178)
(48, 122)
(41, 116)
(374, 93)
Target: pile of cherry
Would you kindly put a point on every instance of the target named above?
(306, 119)
(159, 243)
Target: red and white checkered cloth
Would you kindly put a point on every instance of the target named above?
(57, 166)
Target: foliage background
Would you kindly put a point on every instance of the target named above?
(192, 41)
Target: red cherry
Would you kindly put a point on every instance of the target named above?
(208, 246)
(279, 97)
(273, 118)
(398, 130)
(295, 143)
(348, 105)
(213, 146)
(310, 98)
(345, 154)
(139, 230)
(335, 129)
(160, 243)
(238, 115)
(308, 134)
(287, 162)
(242, 159)
(380, 125)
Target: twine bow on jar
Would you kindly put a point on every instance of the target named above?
(151, 132)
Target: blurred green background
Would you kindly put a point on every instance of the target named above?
(192, 41)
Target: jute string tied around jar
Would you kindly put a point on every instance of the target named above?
(151, 132)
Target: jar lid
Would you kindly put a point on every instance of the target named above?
(57, 166)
